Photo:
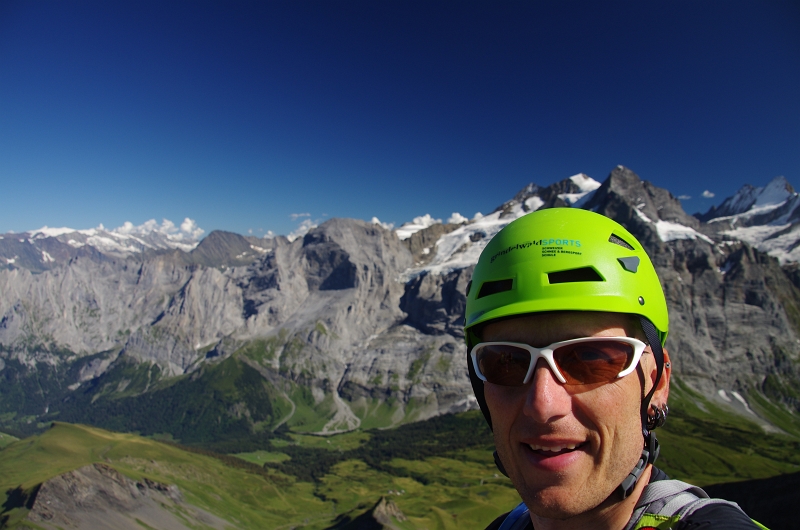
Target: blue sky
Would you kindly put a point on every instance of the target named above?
(241, 115)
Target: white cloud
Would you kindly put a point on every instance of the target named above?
(457, 219)
(684, 197)
(419, 223)
(376, 221)
(188, 229)
(250, 231)
(127, 228)
(707, 194)
(426, 220)
(296, 216)
(302, 229)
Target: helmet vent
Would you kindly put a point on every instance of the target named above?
(619, 241)
(497, 286)
(584, 274)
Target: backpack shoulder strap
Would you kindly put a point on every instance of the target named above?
(689, 509)
(665, 502)
(657, 495)
(664, 489)
(516, 519)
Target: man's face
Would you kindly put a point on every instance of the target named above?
(566, 448)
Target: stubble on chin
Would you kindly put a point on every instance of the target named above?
(559, 496)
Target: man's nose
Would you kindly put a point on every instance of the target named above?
(547, 399)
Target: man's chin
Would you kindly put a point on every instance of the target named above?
(558, 502)
(556, 507)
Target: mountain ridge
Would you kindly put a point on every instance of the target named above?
(351, 326)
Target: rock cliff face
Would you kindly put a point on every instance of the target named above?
(733, 309)
(355, 327)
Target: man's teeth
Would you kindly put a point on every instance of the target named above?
(553, 448)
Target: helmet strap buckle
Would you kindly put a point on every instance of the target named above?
(649, 454)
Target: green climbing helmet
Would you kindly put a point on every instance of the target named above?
(562, 259)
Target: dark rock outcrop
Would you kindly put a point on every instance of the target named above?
(98, 497)
(384, 515)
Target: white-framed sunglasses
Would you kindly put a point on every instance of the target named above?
(582, 361)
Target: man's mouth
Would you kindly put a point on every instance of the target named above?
(553, 450)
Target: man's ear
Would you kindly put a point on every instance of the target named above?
(662, 390)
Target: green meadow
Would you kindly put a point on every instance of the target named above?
(439, 472)
(464, 490)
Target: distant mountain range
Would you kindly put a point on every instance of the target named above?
(355, 325)
(43, 249)
(766, 217)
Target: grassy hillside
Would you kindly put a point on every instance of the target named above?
(6, 439)
(705, 443)
(246, 499)
(439, 472)
(264, 498)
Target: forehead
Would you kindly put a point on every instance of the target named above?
(541, 329)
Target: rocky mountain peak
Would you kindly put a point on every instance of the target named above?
(226, 249)
(365, 244)
(572, 191)
(651, 201)
(774, 193)
(752, 199)
(526, 192)
(651, 213)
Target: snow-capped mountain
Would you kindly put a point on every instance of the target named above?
(128, 238)
(751, 200)
(765, 217)
(461, 246)
(572, 191)
(41, 249)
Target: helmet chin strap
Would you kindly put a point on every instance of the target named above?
(651, 448)
(499, 464)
